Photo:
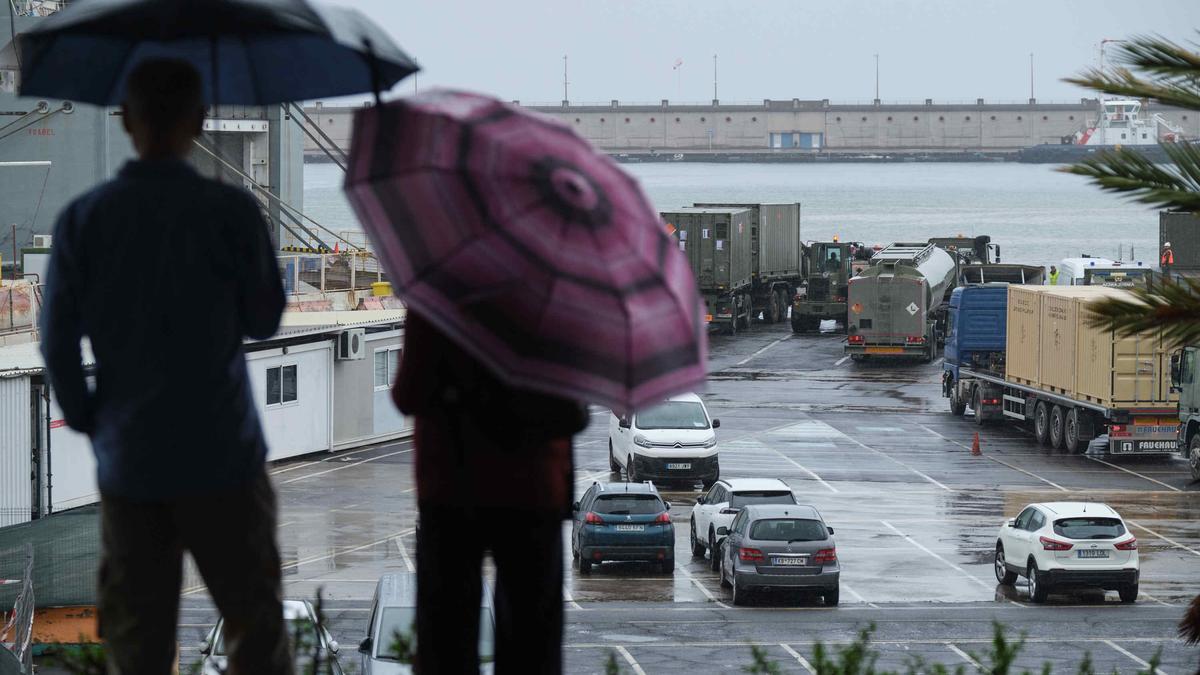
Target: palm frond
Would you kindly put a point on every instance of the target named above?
(1173, 72)
(1172, 307)
(1121, 82)
(1160, 56)
(1173, 186)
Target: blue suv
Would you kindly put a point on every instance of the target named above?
(622, 521)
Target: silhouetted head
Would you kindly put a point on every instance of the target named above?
(1053, 269)
(163, 108)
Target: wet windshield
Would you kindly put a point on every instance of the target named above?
(673, 415)
(402, 620)
(628, 505)
(1089, 528)
(741, 499)
(302, 627)
(788, 529)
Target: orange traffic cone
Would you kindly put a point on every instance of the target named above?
(335, 247)
(975, 445)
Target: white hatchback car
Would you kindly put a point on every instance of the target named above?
(672, 442)
(718, 507)
(1061, 545)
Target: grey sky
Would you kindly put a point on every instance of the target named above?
(624, 49)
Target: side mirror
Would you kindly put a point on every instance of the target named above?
(334, 646)
(575, 506)
(829, 528)
(716, 424)
(624, 423)
(1175, 370)
(1012, 522)
(204, 648)
(667, 505)
(365, 646)
(700, 499)
(723, 531)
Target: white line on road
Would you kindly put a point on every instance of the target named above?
(965, 656)
(334, 456)
(749, 358)
(570, 599)
(864, 446)
(344, 466)
(1134, 473)
(629, 659)
(998, 461)
(842, 360)
(707, 593)
(1169, 541)
(408, 565)
(800, 466)
(1132, 656)
(856, 594)
(949, 564)
(796, 655)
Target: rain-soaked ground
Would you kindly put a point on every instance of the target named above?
(874, 447)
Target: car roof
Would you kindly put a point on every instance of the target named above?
(399, 589)
(1070, 509)
(690, 398)
(739, 484)
(759, 511)
(296, 609)
(616, 487)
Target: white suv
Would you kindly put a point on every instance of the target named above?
(672, 442)
(718, 507)
(1068, 545)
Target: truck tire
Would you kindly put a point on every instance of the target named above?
(771, 311)
(1193, 456)
(957, 405)
(784, 303)
(1041, 422)
(1072, 439)
(732, 328)
(977, 406)
(1058, 424)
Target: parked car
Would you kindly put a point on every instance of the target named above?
(301, 620)
(771, 546)
(674, 441)
(394, 612)
(1060, 545)
(722, 502)
(622, 521)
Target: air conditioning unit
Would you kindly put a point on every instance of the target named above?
(351, 345)
(42, 240)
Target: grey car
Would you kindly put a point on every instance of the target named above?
(301, 621)
(778, 546)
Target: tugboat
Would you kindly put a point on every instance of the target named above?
(1120, 125)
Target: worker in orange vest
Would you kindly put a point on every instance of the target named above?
(1167, 259)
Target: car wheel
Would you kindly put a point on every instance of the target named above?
(584, 566)
(977, 404)
(1071, 441)
(1004, 576)
(738, 597)
(613, 465)
(832, 596)
(1058, 420)
(697, 545)
(630, 470)
(1037, 587)
(724, 581)
(1041, 423)
(668, 566)
(715, 563)
(957, 405)
(1128, 593)
(1194, 456)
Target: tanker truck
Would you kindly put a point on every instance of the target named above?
(898, 304)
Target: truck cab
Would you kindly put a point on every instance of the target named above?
(1186, 381)
(975, 338)
(828, 266)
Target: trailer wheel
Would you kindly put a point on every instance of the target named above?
(1058, 423)
(771, 311)
(1072, 440)
(957, 405)
(1194, 456)
(977, 404)
(784, 303)
(1041, 423)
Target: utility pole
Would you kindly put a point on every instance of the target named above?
(877, 78)
(715, 99)
(1031, 98)
(566, 98)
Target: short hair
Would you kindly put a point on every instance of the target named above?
(163, 92)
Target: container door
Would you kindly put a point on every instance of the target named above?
(788, 140)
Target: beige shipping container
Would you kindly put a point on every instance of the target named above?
(1023, 334)
(1127, 372)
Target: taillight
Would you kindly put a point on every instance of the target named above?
(1130, 545)
(592, 519)
(990, 401)
(663, 517)
(749, 554)
(1054, 544)
(839, 298)
(855, 339)
(915, 339)
(1117, 430)
(825, 556)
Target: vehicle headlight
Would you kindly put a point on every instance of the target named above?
(711, 443)
(642, 441)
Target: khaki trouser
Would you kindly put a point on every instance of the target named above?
(231, 536)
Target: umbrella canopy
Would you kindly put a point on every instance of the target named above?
(257, 51)
(532, 251)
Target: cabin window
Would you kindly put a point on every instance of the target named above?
(387, 365)
(281, 385)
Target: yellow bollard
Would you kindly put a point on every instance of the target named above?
(381, 289)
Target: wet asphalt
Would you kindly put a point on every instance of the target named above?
(874, 447)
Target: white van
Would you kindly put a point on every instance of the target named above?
(675, 441)
(1101, 272)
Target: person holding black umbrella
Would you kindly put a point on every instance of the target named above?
(165, 272)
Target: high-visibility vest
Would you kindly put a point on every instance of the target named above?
(1054, 278)
(1168, 257)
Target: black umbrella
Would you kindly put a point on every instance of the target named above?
(255, 51)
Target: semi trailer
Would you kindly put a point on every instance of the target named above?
(1029, 355)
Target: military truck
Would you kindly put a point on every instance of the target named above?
(1185, 379)
(828, 267)
(718, 246)
(898, 304)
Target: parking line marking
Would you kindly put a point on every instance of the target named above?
(344, 466)
(1132, 656)
(857, 595)
(965, 656)
(408, 565)
(749, 358)
(883, 454)
(800, 466)
(570, 599)
(1134, 473)
(707, 593)
(998, 461)
(629, 659)
(796, 655)
(842, 360)
(958, 569)
(337, 456)
(1154, 599)
(1169, 541)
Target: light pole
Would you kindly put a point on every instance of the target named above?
(715, 99)
(566, 98)
(678, 78)
(877, 78)
(1031, 98)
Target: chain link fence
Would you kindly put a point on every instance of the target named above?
(16, 647)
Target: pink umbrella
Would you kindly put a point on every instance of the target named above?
(532, 251)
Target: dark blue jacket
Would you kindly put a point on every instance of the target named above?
(165, 272)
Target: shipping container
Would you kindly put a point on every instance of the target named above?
(1132, 371)
(1183, 231)
(775, 228)
(16, 468)
(1023, 329)
(718, 245)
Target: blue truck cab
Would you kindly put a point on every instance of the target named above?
(976, 339)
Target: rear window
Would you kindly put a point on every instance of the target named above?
(741, 499)
(628, 505)
(788, 529)
(1089, 528)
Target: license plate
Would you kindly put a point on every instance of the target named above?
(885, 350)
(1092, 553)
(685, 465)
(631, 528)
(791, 561)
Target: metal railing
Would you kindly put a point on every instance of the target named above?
(324, 272)
(20, 306)
(16, 635)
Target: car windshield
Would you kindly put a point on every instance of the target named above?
(741, 499)
(1089, 528)
(673, 415)
(401, 622)
(788, 529)
(628, 505)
